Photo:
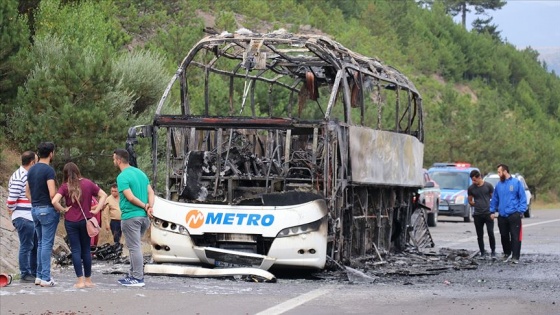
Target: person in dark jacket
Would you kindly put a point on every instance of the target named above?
(480, 193)
(510, 201)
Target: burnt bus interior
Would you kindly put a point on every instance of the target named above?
(248, 116)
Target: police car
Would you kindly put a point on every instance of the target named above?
(454, 181)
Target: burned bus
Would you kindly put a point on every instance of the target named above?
(282, 150)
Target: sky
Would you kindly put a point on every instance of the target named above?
(523, 23)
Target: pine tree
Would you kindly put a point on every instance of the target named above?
(14, 39)
(455, 7)
(81, 93)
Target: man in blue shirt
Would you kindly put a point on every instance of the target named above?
(510, 201)
(40, 189)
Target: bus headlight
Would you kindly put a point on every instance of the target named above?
(301, 229)
(169, 226)
(183, 230)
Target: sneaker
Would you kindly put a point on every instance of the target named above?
(124, 280)
(506, 258)
(133, 282)
(493, 256)
(49, 283)
(27, 279)
(37, 281)
(515, 261)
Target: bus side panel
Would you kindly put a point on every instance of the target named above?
(385, 158)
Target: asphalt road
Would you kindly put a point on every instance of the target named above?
(532, 287)
(540, 233)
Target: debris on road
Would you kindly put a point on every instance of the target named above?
(355, 276)
(252, 274)
(418, 263)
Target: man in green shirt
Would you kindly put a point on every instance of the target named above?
(136, 202)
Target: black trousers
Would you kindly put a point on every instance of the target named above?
(479, 222)
(510, 231)
(116, 230)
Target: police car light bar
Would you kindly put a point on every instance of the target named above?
(460, 164)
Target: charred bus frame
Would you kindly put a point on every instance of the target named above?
(360, 147)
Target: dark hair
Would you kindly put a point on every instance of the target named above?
(122, 154)
(504, 167)
(27, 157)
(474, 173)
(114, 185)
(44, 149)
(71, 175)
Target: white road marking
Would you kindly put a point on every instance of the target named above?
(309, 296)
(295, 302)
(496, 231)
(539, 223)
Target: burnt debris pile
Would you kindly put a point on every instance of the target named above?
(105, 252)
(417, 263)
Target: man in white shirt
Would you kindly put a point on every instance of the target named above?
(19, 207)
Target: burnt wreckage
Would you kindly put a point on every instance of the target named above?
(281, 119)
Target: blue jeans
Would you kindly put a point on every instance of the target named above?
(79, 245)
(116, 230)
(27, 246)
(46, 221)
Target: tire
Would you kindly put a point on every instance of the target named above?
(527, 213)
(468, 217)
(433, 217)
